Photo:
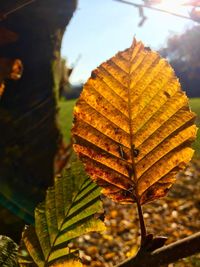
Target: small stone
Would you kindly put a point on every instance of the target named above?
(174, 214)
(173, 225)
(92, 250)
(87, 237)
(109, 256)
(113, 214)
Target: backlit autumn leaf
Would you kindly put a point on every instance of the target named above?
(17, 69)
(2, 87)
(133, 127)
(9, 69)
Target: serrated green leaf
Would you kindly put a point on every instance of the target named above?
(8, 252)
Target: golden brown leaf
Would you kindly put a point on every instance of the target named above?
(133, 126)
(9, 69)
(17, 69)
(2, 88)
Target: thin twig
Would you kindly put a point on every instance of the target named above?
(153, 8)
(5, 15)
(167, 254)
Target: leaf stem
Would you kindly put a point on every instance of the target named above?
(142, 224)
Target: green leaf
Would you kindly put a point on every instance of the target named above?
(68, 212)
(8, 252)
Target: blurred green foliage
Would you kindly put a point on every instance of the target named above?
(66, 117)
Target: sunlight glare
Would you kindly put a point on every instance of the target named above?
(172, 5)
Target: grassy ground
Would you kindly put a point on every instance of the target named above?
(66, 110)
(66, 117)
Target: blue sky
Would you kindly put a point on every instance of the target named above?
(101, 28)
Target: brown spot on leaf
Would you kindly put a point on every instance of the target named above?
(122, 153)
(116, 130)
(130, 171)
(136, 152)
(166, 94)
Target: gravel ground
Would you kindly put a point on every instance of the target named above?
(175, 216)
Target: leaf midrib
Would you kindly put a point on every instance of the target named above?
(134, 178)
(53, 245)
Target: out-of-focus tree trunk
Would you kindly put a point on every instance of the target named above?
(28, 131)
